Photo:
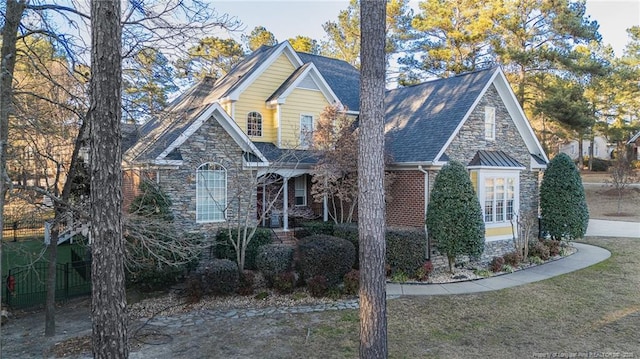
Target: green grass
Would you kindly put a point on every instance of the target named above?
(24, 253)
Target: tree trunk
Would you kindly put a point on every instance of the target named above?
(371, 211)
(580, 149)
(12, 17)
(108, 304)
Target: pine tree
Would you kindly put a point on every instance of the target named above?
(562, 200)
(454, 215)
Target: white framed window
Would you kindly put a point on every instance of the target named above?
(254, 124)
(301, 190)
(306, 130)
(211, 193)
(499, 195)
(489, 123)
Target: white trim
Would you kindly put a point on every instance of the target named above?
(302, 179)
(503, 173)
(490, 119)
(231, 127)
(283, 47)
(167, 162)
(278, 124)
(496, 168)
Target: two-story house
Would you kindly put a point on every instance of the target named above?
(258, 119)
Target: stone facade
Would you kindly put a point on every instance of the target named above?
(406, 207)
(210, 144)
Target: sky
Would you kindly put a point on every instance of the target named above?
(288, 18)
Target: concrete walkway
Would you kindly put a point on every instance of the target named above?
(604, 228)
(586, 256)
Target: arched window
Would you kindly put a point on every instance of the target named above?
(254, 124)
(211, 193)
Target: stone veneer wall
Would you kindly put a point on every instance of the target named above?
(211, 143)
(407, 205)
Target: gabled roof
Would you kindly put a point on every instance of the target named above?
(307, 71)
(422, 120)
(343, 78)
(634, 138)
(160, 144)
(278, 155)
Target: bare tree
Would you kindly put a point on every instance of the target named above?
(371, 211)
(622, 175)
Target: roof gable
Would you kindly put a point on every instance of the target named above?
(422, 120)
(307, 75)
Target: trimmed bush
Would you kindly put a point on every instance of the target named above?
(318, 286)
(454, 215)
(599, 165)
(349, 231)
(352, 282)
(311, 228)
(496, 264)
(329, 256)
(273, 259)
(218, 276)
(284, 283)
(513, 259)
(224, 249)
(406, 250)
(563, 204)
(539, 250)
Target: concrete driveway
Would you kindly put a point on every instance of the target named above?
(603, 228)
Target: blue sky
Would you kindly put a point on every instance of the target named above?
(287, 18)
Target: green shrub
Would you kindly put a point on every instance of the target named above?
(273, 259)
(536, 260)
(284, 282)
(324, 255)
(496, 264)
(507, 268)
(513, 259)
(311, 228)
(349, 231)
(563, 205)
(454, 216)
(482, 273)
(152, 202)
(225, 250)
(218, 276)
(539, 250)
(399, 277)
(318, 286)
(406, 250)
(600, 165)
(352, 282)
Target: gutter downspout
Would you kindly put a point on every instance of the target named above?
(426, 203)
(279, 128)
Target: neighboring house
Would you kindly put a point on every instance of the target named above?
(601, 148)
(634, 145)
(266, 107)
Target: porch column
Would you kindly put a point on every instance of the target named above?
(285, 205)
(264, 201)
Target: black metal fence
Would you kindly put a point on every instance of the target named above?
(26, 286)
(23, 228)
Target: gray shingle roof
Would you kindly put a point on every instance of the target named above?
(494, 159)
(275, 154)
(420, 119)
(343, 78)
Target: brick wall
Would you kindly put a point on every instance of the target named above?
(405, 205)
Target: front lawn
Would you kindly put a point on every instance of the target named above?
(593, 310)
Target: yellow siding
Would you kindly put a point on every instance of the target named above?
(300, 102)
(497, 231)
(474, 180)
(254, 97)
